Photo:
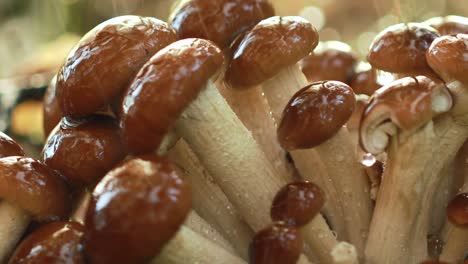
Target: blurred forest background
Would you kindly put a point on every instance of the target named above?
(43, 30)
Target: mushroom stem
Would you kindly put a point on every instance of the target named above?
(202, 227)
(278, 90)
(441, 198)
(189, 247)
(319, 240)
(209, 201)
(351, 183)
(13, 223)
(400, 199)
(455, 240)
(344, 253)
(253, 110)
(228, 151)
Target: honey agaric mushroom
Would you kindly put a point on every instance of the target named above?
(102, 64)
(51, 109)
(449, 25)
(324, 107)
(219, 21)
(135, 209)
(401, 49)
(365, 81)
(209, 201)
(84, 150)
(157, 97)
(455, 233)
(297, 203)
(57, 242)
(191, 19)
(398, 119)
(276, 244)
(330, 60)
(29, 190)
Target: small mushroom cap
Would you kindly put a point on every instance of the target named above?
(163, 88)
(101, 65)
(448, 57)
(9, 147)
(365, 81)
(84, 150)
(449, 25)
(135, 209)
(273, 44)
(314, 114)
(219, 21)
(331, 60)
(297, 203)
(405, 104)
(276, 244)
(32, 186)
(402, 49)
(57, 242)
(457, 210)
(51, 109)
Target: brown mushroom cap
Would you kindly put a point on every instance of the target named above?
(219, 21)
(314, 114)
(402, 49)
(163, 88)
(448, 57)
(457, 210)
(331, 60)
(51, 108)
(365, 81)
(276, 244)
(84, 150)
(406, 104)
(57, 242)
(101, 65)
(449, 25)
(273, 44)
(297, 203)
(135, 209)
(32, 186)
(9, 147)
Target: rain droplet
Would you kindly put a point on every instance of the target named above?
(368, 159)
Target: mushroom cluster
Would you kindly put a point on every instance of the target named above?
(231, 135)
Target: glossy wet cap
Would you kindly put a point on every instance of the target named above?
(135, 210)
(314, 114)
(457, 210)
(9, 147)
(32, 186)
(101, 65)
(51, 108)
(402, 49)
(219, 21)
(365, 81)
(448, 56)
(163, 88)
(406, 104)
(276, 244)
(273, 44)
(449, 25)
(57, 242)
(331, 60)
(84, 150)
(297, 203)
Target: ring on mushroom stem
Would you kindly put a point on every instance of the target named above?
(94, 74)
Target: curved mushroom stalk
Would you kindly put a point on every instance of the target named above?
(209, 201)
(188, 246)
(398, 119)
(455, 233)
(13, 222)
